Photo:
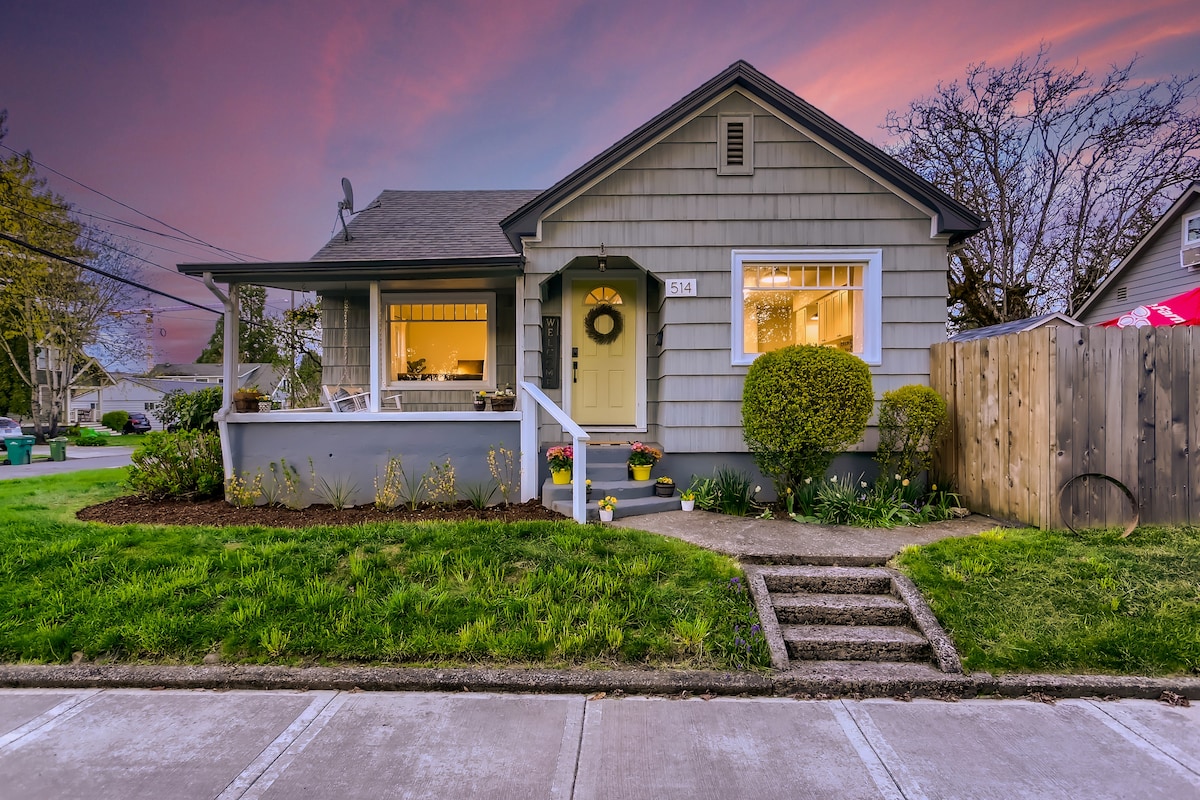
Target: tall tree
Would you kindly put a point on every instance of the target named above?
(1070, 170)
(256, 334)
(52, 310)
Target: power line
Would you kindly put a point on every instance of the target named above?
(85, 234)
(73, 262)
(195, 239)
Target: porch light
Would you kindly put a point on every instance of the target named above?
(602, 259)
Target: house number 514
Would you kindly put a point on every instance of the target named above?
(681, 287)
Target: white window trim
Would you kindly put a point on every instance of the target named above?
(747, 165)
(489, 366)
(1185, 241)
(872, 261)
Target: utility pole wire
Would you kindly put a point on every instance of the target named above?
(109, 275)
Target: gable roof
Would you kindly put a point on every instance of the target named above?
(1016, 326)
(436, 225)
(952, 217)
(1170, 217)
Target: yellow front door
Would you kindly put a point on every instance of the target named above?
(604, 352)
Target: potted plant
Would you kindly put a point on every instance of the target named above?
(504, 399)
(588, 481)
(607, 505)
(687, 500)
(247, 399)
(642, 457)
(664, 487)
(561, 459)
(479, 401)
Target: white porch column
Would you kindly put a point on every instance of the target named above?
(375, 332)
(233, 312)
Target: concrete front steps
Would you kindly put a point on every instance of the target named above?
(606, 467)
(847, 614)
(99, 428)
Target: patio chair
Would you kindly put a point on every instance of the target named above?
(346, 398)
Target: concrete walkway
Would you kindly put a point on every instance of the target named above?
(753, 540)
(130, 744)
(78, 458)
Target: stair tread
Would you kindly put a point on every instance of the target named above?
(838, 600)
(805, 571)
(851, 633)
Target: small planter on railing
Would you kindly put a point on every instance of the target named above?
(504, 399)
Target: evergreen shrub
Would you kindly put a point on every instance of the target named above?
(801, 405)
(115, 420)
(911, 420)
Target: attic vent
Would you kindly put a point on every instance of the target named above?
(735, 138)
(1121, 293)
(735, 144)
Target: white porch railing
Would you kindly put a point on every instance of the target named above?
(529, 449)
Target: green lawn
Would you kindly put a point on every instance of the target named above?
(554, 594)
(1033, 601)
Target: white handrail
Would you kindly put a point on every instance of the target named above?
(529, 449)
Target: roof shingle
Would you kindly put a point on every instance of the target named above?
(441, 225)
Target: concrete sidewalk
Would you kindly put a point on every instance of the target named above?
(752, 540)
(78, 458)
(130, 744)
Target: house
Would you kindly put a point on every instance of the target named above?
(1016, 326)
(624, 302)
(1164, 263)
(129, 392)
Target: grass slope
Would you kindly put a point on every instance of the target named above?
(1034, 601)
(547, 593)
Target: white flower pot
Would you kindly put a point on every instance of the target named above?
(688, 505)
(606, 515)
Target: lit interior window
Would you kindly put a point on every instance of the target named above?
(438, 341)
(786, 304)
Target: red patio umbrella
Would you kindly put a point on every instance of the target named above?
(1182, 309)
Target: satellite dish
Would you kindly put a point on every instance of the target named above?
(344, 205)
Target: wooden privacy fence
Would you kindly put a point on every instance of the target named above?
(1030, 411)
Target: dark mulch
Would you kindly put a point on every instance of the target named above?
(136, 510)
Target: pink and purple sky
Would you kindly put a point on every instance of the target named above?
(235, 121)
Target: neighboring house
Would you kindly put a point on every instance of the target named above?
(128, 392)
(1165, 263)
(1016, 326)
(633, 293)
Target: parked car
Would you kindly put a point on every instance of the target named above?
(138, 423)
(9, 427)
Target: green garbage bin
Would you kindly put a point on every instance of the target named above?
(58, 449)
(20, 448)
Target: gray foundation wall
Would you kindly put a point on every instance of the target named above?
(354, 452)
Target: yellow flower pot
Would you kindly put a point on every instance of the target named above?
(641, 473)
(561, 476)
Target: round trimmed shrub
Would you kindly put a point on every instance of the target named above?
(801, 405)
(115, 420)
(911, 420)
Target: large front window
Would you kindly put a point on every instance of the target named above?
(828, 298)
(435, 339)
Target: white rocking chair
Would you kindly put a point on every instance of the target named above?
(343, 399)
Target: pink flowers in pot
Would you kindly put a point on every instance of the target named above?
(643, 455)
(560, 458)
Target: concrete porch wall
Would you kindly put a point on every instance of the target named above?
(356, 451)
